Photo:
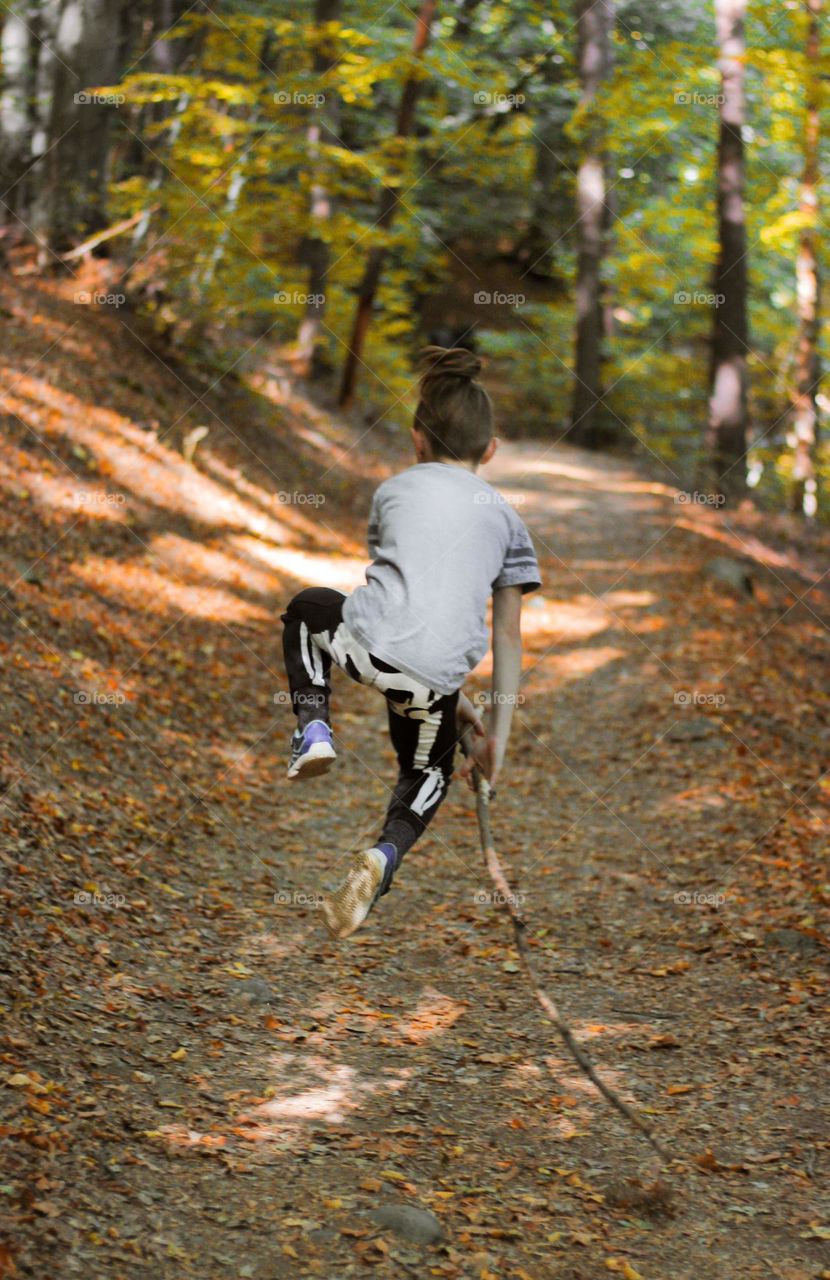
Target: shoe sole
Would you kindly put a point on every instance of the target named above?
(318, 759)
(347, 908)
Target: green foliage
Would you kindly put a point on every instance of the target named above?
(225, 149)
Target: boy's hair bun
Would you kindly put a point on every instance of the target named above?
(452, 362)
(454, 411)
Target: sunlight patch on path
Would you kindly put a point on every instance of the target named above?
(343, 573)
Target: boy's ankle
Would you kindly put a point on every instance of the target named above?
(310, 704)
(390, 853)
(320, 717)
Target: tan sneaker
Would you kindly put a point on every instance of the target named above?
(346, 909)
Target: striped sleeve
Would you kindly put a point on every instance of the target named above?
(373, 535)
(520, 567)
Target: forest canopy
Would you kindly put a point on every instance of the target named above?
(618, 204)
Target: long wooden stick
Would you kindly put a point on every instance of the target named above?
(508, 899)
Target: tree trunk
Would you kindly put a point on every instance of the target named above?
(323, 130)
(72, 176)
(48, 18)
(464, 20)
(239, 172)
(166, 57)
(386, 213)
(594, 25)
(728, 416)
(16, 121)
(536, 250)
(808, 371)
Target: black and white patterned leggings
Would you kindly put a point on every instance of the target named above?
(422, 723)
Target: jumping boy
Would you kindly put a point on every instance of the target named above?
(441, 541)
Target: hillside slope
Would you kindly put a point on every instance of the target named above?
(197, 1081)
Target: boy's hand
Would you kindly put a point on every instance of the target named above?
(483, 757)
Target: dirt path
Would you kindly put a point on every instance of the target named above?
(200, 1084)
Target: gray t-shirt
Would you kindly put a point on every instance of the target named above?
(441, 541)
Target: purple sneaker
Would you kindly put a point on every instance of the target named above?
(311, 750)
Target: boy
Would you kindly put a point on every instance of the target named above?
(441, 540)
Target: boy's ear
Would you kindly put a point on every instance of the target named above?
(422, 449)
(489, 451)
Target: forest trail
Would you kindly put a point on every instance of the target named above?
(198, 1082)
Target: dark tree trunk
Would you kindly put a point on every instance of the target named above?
(386, 213)
(464, 20)
(728, 415)
(166, 57)
(72, 174)
(268, 58)
(323, 131)
(48, 17)
(808, 369)
(536, 250)
(595, 20)
(19, 61)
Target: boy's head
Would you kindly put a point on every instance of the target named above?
(454, 417)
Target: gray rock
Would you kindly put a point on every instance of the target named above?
(732, 573)
(323, 1235)
(257, 991)
(797, 943)
(407, 1220)
(692, 729)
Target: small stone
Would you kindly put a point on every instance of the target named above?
(795, 942)
(731, 573)
(407, 1220)
(322, 1235)
(693, 729)
(257, 991)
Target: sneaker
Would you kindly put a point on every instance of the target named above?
(311, 750)
(346, 909)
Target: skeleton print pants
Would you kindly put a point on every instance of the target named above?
(422, 723)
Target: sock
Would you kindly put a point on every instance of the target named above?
(390, 853)
(311, 705)
(402, 834)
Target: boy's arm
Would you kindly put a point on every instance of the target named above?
(488, 750)
(507, 668)
(466, 714)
